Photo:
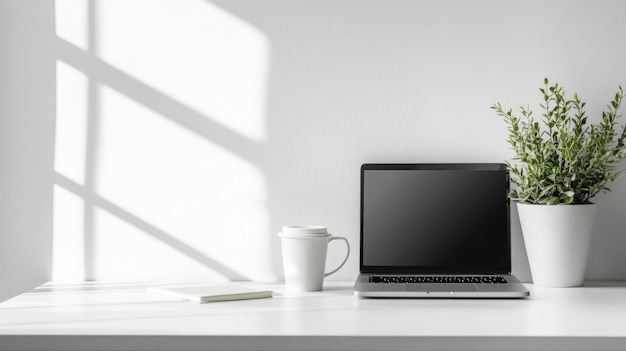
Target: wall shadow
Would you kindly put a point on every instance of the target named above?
(27, 104)
(100, 73)
(94, 200)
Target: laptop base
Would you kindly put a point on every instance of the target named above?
(511, 289)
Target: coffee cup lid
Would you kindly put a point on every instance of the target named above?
(304, 231)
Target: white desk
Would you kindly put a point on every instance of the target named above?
(124, 316)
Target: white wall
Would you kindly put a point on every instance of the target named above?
(188, 132)
(26, 144)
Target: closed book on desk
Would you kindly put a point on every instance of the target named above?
(211, 293)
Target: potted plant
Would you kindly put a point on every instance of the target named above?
(561, 162)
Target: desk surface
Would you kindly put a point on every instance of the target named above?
(127, 316)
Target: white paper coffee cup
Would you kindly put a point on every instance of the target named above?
(304, 256)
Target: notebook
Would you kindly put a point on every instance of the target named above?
(211, 293)
(436, 230)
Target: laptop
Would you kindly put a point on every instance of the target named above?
(436, 231)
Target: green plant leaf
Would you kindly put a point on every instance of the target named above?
(560, 158)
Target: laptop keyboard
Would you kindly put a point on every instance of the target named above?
(487, 279)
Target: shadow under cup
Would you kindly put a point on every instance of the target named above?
(304, 256)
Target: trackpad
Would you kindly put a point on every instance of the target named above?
(441, 287)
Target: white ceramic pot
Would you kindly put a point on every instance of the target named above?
(557, 239)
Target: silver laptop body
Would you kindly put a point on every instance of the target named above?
(436, 231)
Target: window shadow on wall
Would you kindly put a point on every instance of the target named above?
(160, 153)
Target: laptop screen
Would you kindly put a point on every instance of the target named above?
(435, 218)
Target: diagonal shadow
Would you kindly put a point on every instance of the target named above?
(194, 121)
(99, 73)
(148, 228)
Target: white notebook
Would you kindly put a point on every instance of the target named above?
(212, 293)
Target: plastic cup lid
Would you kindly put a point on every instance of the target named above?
(304, 231)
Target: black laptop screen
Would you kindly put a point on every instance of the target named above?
(441, 218)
